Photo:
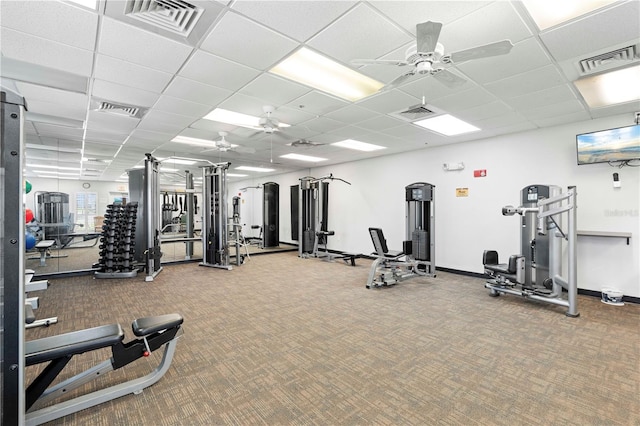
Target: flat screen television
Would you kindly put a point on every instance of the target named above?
(607, 146)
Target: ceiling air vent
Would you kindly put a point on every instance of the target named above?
(609, 60)
(415, 112)
(177, 16)
(128, 110)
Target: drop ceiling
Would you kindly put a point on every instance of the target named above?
(65, 59)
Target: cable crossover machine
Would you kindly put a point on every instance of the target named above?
(418, 255)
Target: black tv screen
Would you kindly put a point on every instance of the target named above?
(605, 146)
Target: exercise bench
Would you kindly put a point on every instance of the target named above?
(44, 248)
(152, 332)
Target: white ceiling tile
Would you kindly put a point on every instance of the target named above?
(527, 82)
(132, 44)
(409, 132)
(181, 107)
(556, 109)
(562, 119)
(161, 121)
(40, 51)
(387, 102)
(410, 13)
(122, 94)
(542, 98)
(194, 91)
(351, 114)
(380, 122)
(296, 19)
(482, 112)
(101, 136)
(111, 122)
(52, 20)
(161, 137)
(33, 92)
(275, 90)
(464, 100)
(524, 56)
(322, 124)
(608, 27)
(628, 107)
(317, 103)
(362, 33)
(44, 129)
(245, 105)
(92, 150)
(433, 89)
(130, 74)
(495, 22)
(56, 109)
(503, 120)
(209, 69)
(244, 41)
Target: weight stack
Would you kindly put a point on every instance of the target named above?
(420, 244)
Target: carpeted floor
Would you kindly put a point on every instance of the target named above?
(287, 341)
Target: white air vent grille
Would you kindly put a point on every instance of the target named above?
(122, 109)
(609, 60)
(177, 16)
(416, 112)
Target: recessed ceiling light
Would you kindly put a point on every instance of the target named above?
(185, 161)
(447, 125)
(548, 13)
(167, 169)
(357, 145)
(51, 172)
(312, 69)
(237, 119)
(255, 169)
(236, 175)
(614, 87)
(301, 157)
(192, 141)
(43, 166)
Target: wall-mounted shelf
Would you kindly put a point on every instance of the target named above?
(626, 235)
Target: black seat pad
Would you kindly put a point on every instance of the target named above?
(145, 326)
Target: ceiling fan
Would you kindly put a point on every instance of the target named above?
(222, 145)
(304, 143)
(267, 123)
(427, 56)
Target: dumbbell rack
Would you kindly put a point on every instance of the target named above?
(117, 243)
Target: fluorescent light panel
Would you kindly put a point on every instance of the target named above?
(447, 125)
(51, 172)
(254, 169)
(43, 166)
(548, 13)
(237, 119)
(193, 141)
(301, 157)
(235, 175)
(614, 87)
(357, 145)
(181, 160)
(312, 69)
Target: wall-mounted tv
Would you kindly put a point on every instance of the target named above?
(606, 146)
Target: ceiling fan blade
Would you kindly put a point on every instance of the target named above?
(492, 49)
(427, 35)
(449, 79)
(399, 80)
(397, 62)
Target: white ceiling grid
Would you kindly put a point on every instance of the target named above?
(103, 55)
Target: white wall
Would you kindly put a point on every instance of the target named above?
(467, 226)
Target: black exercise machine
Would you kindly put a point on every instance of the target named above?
(153, 332)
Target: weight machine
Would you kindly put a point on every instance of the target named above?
(417, 257)
(144, 189)
(313, 211)
(537, 272)
(215, 249)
